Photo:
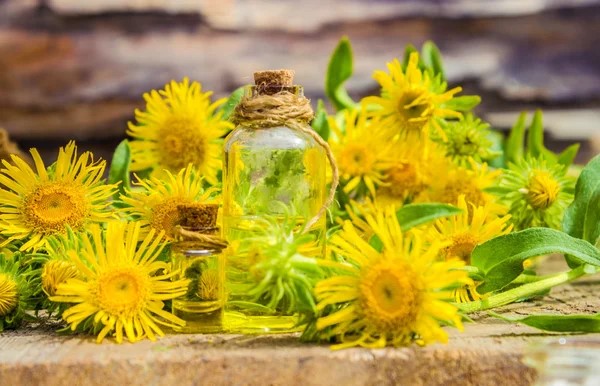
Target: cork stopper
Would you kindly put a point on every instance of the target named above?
(274, 78)
(198, 216)
(273, 81)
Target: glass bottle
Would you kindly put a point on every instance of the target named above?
(271, 168)
(197, 256)
(565, 362)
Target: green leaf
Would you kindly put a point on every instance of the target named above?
(320, 123)
(567, 157)
(501, 259)
(559, 323)
(463, 102)
(412, 215)
(514, 145)
(431, 57)
(234, 99)
(581, 218)
(119, 168)
(339, 71)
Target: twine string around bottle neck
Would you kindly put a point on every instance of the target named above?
(285, 108)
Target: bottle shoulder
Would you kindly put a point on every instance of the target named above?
(279, 137)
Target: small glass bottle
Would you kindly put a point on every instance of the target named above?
(565, 362)
(272, 167)
(198, 257)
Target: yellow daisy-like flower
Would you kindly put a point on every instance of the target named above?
(472, 183)
(9, 297)
(394, 296)
(155, 206)
(362, 151)
(463, 232)
(15, 293)
(56, 272)
(39, 203)
(122, 286)
(412, 171)
(179, 127)
(411, 100)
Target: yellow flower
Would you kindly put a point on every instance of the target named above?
(463, 232)
(178, 127)
(44, 202)
(15, 293)
(362, 150)
(155, 206)
(122, 285)
(9, 297)
(536, 192)
(56, 272)
(390, 297)
(416, 165)
(411, 100)
(472, 183)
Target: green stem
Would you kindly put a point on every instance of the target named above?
(526, 290)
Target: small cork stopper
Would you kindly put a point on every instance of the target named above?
(281, 78)
(198, 216)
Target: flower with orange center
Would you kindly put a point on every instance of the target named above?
(411, 99)
(362, 151)
(43, 202)
(178, 127)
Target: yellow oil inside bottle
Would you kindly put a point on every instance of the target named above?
(244, 316)
(202, 306)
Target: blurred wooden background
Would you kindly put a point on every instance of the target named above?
(77, 69)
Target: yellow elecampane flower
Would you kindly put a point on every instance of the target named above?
(122, 286)
(463, 232)
(179, 126)
(472, 183)
(362, 150)
(411, 100)
(155, 205)
(393, 296)
(416, 165)
(37, 203)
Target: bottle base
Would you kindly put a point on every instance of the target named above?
(238, 323)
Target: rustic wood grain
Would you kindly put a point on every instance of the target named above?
(489, 352)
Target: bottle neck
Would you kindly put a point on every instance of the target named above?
(272, 89)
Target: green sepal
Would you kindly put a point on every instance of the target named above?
(408, 49)
(535, 140)
(339, 70)
(501, 259)
(320, 123)
(498, 140)
(463, 102)
(567, 157)
(232, 101)
(558, 323)
(582, 217)
(515, 143)
(412, 215)
(119, 169)
(432, 59)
